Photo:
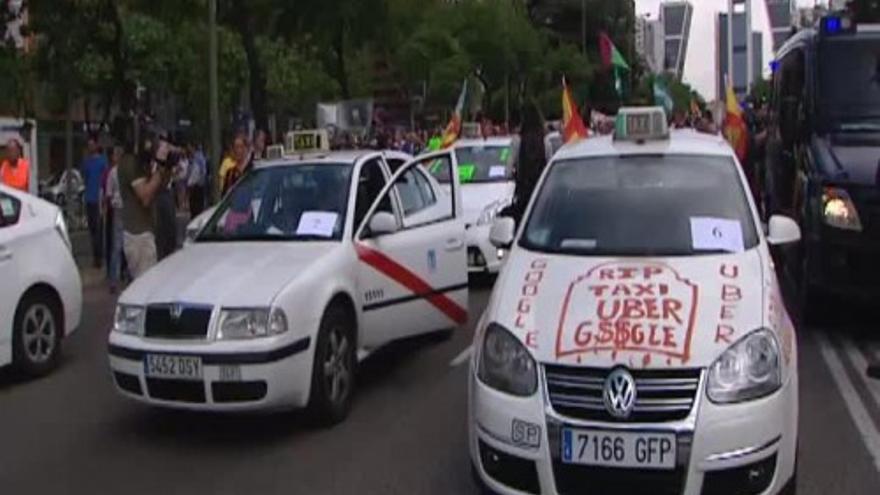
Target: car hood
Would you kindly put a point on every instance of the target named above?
(226, 274)
(642, 313)
(476, 197)
(853, 158)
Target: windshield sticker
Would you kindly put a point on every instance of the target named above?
(7, 207)
(496, 171)
(713, 234)
(525, 319)
(318, 223)
(436, 167)
(579, 244)
(466, 172)
(504, 155)
(635, 312)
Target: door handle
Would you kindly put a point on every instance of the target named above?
(5, 254)
(454, 244)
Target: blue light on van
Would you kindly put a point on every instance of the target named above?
(832, 25)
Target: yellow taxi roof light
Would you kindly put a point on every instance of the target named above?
(296, 142)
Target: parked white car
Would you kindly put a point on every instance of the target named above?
(636, 341)
(486, 169)
(309, 264)
(40, 286)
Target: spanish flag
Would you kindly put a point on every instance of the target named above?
(572, 125)
(734, 127)
(453, 128)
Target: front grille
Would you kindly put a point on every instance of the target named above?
(661, 395)
(509, 470)
(239, 391)
(129, 383)
(176, 390)
(192, 321)
(589, 480)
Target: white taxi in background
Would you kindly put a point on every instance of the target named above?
(636, 341)
(40, 286)
(486, 170)
(310, 263)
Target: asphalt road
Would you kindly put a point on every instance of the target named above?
(71, 433)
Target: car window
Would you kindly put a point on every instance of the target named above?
(420, 197)
(415, 191)
(371, 181)
(10, 210)
(480, 163)
(641, 206)
(296, 202)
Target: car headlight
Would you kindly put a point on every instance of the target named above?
(487, 216)
(748, 370)
(129, 319)
(839, 211)
(505, 363)
(61, 228)
(250, 323)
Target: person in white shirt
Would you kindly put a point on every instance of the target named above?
(113, 202)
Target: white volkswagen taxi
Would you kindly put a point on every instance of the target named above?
(308, 264)
(636, 341)
(486, 170)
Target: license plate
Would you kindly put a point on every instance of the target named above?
(619, 449)
(171, 366)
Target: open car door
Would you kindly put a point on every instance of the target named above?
(413, 262)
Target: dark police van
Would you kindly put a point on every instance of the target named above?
(823, 153)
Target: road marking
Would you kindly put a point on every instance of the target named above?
(462, 358)
(861, 365)
(858, 413)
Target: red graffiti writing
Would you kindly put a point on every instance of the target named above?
(524, 306)
(731, 295)
(629, 310)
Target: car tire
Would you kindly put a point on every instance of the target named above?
(333, 371)
(36, 334)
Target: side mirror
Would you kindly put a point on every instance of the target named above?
(782, 230)
(382, 223)
(197, 224)
(502, 232)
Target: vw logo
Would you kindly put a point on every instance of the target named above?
(175, 310)
(619, 393)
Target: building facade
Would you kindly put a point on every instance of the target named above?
(781, 14)
(675, 20)
(733, 59)
(649, 42)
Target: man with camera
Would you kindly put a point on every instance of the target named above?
(141, 182)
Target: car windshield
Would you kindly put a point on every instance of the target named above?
(849, 83)
(295, 202)
(479, 164)
(669, 205)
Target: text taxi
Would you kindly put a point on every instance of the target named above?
(636, 340)
(307, 265)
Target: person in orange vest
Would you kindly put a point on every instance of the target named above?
(15, 170)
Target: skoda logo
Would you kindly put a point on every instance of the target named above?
(619, 393)
(175, 310)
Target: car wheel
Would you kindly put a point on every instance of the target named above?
(36, 338)
(333, 373)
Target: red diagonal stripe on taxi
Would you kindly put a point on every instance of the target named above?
(411, 281)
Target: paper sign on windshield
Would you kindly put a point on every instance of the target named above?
(497, 171)
(318, 223)
(713, 234)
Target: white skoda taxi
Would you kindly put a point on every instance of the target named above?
(308, 264)
(486, 170)
(636, 341)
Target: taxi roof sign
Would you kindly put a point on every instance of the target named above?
(305, 141)
(641, 124)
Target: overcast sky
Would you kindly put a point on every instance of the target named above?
(699, 69)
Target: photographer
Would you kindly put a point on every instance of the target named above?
(141, 181)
